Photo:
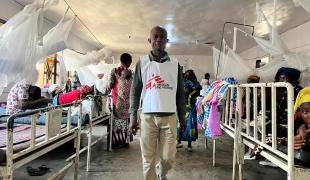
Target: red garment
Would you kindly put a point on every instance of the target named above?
(69, 97)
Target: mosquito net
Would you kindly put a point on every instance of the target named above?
(280, 57)
(303, 3)
(19, 49)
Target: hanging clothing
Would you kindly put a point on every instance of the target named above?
(207, 106)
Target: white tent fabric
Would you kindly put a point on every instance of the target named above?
(88, 74)
(19, 44)
(281, 57)
(216, 61)
(74, 60)
(235, 66)
(303, 3)
(55, 39)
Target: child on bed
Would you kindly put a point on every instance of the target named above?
(302, 105)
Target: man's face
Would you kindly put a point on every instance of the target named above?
(158, 39)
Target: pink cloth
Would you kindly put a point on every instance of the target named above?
(214, 121)
(69, 97)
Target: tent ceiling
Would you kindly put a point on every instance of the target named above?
(124, 25)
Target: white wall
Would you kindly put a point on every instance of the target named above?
(296, 39)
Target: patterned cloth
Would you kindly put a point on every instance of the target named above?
(191, 91)
(121, 79)
(120, 86)
(207, 106)
(17, 94)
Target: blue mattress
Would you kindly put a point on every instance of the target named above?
(41, 119)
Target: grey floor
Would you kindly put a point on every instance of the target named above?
(125, 164)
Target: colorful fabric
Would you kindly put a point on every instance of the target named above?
(302, 97)
(120, 85)
(85, 90)
(191, 91)
(69, 97)
(17, 94)
(207, 106)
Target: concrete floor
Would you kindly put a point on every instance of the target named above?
(125, 164)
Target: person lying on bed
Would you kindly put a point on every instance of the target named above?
(60, 98)
(23, 96)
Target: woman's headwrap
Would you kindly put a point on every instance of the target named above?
(292, 73)
(302, 97)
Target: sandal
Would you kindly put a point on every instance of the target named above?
(37, 171)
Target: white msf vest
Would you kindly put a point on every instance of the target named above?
(159, 85)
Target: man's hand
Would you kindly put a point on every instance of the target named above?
(299, 142)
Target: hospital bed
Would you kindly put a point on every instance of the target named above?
(252, 132)
(23, 143)
(98, 115)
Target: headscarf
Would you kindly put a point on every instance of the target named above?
(292, 73)
(302, 97)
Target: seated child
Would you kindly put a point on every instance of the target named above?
(302, 136)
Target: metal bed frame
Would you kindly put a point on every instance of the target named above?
(233, 127)
(54, 137)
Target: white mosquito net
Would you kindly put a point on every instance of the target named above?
(88, 66)
(19, 42)
(281, 57)
(303, 3)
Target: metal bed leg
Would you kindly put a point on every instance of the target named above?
(241, 160)
(109, 131)
(234, 165)
(77, 157)
(214, 141)
(89, 134)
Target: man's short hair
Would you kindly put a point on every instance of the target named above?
(126, 58)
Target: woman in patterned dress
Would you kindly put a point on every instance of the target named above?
(191, 89)
(121, 78)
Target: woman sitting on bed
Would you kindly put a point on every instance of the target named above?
(23, 96)
(60, 98)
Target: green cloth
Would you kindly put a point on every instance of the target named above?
(136, 90)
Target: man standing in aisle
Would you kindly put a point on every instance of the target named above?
(158, 81)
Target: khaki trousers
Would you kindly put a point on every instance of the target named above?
(158, 137)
